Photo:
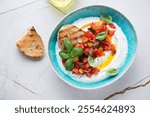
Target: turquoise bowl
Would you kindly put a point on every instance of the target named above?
(94, 11)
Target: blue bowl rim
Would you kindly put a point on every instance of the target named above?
(120, 76)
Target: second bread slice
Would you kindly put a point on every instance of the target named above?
(31, 44)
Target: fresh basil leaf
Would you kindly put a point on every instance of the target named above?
(63, 55)
(113, 71)
(102, 35)
(92, 30)
(76, 52)
(68, 45)
(90, 60)
(69, 64)
(106, 18)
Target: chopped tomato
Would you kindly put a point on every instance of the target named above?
(75, 70)
(107, 47)
(111, 32)
(103, 28)
(87, 51)
(88, 69)
(111, 25)
(99, 25)
(85, 44)
(85, 39)
(77, 66)
(80, 46)
(90, 44)
(95, 70)
(106, 42)
(99, 52)
(97, 31)
(81, 65)
(90, 35)
(113, 49)
(102, 22)
(85, 60)
(89, 74)
(87, 65)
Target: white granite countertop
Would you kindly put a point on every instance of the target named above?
(23, 78)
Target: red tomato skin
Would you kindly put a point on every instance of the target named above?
(85, 60)
(87, 51)
(98, 53)
(103, 28)
(89, 74)
(111, 32)
(111, 25)
(75, 71)
(80, 46)
(90, 35)
(95, 70)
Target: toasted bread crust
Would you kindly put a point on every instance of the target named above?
(31, 44)
(71, 32)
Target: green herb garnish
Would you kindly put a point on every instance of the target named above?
(106, 18)
(102, 35)
(90, 60)
(76, 52)
(68, 45)
(69, 64)
(69, 53)
(63, 55)
(113, 71)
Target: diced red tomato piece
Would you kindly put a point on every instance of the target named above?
(97, 31)
(111, 25)
(87, 51)
(95, 70)
(99, 26)
(88, 69)
(99, 52)
(85, 45)
(113, 48)
(89, 74)
(107, 47)
(90, 44)
(103, 28)
(77, 66)
(90, 35)
(80, 46)
(75, 71)
(85, 60)
(85, 39)
(111, 32)
(102, 22)
(86, 66)
(106, 42)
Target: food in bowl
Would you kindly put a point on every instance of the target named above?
(92, 48)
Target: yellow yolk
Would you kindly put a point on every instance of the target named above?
(85, 26)
(106, 62)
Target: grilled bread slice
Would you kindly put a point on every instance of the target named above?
(71, 32)
(31, 44)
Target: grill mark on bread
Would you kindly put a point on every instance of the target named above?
(70, 32)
